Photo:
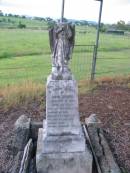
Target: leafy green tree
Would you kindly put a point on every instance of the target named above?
(16, 16)
(23, 16)
(51, 24)
(21, 26)
(39, 18)
(103, 27)
(10, 15)
(9, 20)
(121, 25)
(4, 20)
(48, 19)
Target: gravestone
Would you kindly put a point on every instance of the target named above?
(61, 144)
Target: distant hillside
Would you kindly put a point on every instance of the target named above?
(15, 21)
(22, 22)
(83, 22)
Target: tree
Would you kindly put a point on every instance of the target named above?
(51, 24)
(23, 16)
(9, 20)
(121, 25)
(48, 19)
(10, 15)
(39, 18)
(4, 20)
(103, 27)
(21, 26)
(16, 15)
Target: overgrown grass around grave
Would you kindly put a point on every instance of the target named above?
(20, 94)
(28, 92)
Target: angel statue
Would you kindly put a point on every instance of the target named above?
(62, 38)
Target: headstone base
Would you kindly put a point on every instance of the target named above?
(64, 143)
(66, 162)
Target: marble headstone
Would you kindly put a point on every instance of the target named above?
(62, 132)
(61, 146)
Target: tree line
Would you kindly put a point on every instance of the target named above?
(120, 25)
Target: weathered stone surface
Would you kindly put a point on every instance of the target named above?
(62, 129)
(62, 143)
(107, 161)
(62, 107)
(93, 120)
(22, 122)
(17, 162)
(22, 132)
(62, 38)
(32, 167)
(34, 129)
(93, 125)
(26, 157)
(101, 147)
(77, 162)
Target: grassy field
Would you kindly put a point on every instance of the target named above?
(25, 55)
(6, 21)
(20, 42)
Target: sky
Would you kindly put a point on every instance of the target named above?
(113, 10)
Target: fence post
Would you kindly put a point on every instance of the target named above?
(62, 10)
(97, 42)
(94, 63)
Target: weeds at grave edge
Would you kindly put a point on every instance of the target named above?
(86, 86)
(20, 94)
(27, 92)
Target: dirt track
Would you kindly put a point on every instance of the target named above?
(112, 106)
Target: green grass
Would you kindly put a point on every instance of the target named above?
(32, 42)
(25, 55)
(36, 68)
(18, 69)
(14, 21)
(23, 42)
(113, 63)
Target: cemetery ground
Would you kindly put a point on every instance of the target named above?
(108, 98)
(24, 65)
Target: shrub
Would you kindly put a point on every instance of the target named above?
(21, 26)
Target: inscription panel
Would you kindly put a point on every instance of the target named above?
(62, 106)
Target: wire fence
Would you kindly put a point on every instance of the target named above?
(113, 56)
(113, 60)
(81, 62)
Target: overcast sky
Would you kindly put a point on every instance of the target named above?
(113, 10)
